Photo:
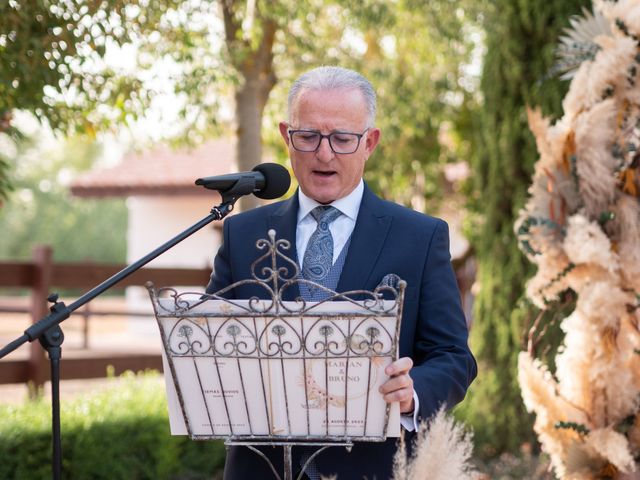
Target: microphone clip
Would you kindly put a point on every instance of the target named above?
(245, 185)
(235, 188)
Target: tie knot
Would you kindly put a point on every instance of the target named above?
(325, 214)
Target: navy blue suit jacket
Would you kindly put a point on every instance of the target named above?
(387, 238)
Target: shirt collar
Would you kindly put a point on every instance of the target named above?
(348, 205)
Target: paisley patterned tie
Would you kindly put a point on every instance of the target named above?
(316, 264)
(318, 257)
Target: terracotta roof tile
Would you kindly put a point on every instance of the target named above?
(159, 171)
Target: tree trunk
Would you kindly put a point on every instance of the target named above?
(254, 65)
(250, 102)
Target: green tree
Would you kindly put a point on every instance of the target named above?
(234, 48)
(9, 138)
(51, 64)
(256, 43)
(51, 55)
(424, 88)
(521, 37)
(41, 209)
(426, 96)
(219, 48)
(250, 50)
(240, 44)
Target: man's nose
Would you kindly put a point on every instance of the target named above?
(324, 152)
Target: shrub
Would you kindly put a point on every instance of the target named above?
(119, 433)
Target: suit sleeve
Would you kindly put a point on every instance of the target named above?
(443, 364)
(221, 275)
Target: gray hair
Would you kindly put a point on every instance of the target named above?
(334, 78)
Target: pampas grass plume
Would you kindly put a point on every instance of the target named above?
(585, 211)
(587, 243)
(442, 451)
(613, 447)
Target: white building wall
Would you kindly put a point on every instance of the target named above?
(153, 221)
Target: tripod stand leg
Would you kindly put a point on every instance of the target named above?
(55, 414)
(52, 340)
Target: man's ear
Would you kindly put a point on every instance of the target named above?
(373, 137)
(284, 126)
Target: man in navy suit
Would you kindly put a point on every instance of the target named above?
(330, 135)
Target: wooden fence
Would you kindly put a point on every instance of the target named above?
(41, 276)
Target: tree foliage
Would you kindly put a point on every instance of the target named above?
(520, 43)
(42, 210)
(244, 46)
(9, 138)
(425, 91)
(52, 54)
(51, 64)
(239, 49)
(426, 94)
(250, 30)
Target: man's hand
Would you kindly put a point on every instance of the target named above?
(399, 388)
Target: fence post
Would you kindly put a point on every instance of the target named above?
(40, 289)
(86, 314)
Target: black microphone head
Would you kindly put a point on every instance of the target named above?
(276, 180)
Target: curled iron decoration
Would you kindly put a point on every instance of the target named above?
(370, 301)
(261, 306)
(279, 338)
(256, 304)
(187, 337)
(233, 338)
(180, 304)
(185, 331)
(327, 338)
(298, 336)
(370, 337)
(275, 250)
(275, 280)
(369, 344)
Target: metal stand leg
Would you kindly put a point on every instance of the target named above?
(52, 340)
(48, 331)
(288, 468)
(287, 456)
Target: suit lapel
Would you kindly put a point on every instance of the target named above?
(367, 240)
(284, 221)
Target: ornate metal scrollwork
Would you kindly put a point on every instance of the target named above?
(275, 280)
(241, 350)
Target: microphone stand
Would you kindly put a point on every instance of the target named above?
(48, 330)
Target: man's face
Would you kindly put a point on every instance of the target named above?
(324, 175)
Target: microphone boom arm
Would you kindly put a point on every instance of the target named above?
(266, 181)
(48, 330)
(60, 312)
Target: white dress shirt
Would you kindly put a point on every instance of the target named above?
(341, 229)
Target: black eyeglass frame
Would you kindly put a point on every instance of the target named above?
(328, 137)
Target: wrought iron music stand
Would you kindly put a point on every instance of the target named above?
(239, 366)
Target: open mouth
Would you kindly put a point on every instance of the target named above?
(325, 174)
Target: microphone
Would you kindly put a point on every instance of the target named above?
(266, 181)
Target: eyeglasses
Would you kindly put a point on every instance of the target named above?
(340, 142)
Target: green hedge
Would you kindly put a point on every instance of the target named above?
(121, 432)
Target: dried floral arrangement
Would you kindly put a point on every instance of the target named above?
(442, 450)
(581, 227)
